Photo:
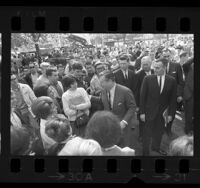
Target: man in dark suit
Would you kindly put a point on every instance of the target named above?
(174, 70)
(158, 93)
(145, 71)
(188, 97)
(119, 100)
(124, 76)
(32, 77)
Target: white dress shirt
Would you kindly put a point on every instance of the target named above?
(163, 82)
(112, 95)
(148, 73)
(125, 73)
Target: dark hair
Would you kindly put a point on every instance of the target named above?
(58, 129)
(90, 57)
(76, 66)
(68, 81)
(109, 75)
(88, 63)
(42, 107)
(163, 61)
(41, 90)
(19, 140)
(124, 56)
(104, 127)
(50, 70)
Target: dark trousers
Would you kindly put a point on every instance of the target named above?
(189, 115)
(141, 126)
(153, 129)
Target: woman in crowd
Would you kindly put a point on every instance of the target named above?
(104, 127)
(182, 146)
(76, 104)
(81, 147)
(44, 109)
(60, 131)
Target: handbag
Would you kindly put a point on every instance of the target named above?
(82, 120)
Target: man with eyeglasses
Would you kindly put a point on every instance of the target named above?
(31, 78)
(174, 70)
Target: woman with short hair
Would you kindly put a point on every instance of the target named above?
(104, 127)
(44, 109)
(60, 131)
(76, 103)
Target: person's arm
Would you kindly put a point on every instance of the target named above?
(130, 104)
(31, 93)
(172, 99)
(67, 110)
(143, 94)
(87, 103)
(52, 95)
(180, 81)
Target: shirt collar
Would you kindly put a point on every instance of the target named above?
(113, 88)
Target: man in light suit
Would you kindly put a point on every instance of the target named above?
(158, 93)
(119, 100)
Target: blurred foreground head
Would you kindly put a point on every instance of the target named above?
(182, 146)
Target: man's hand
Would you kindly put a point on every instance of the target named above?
(179, 99)
(142, 117)
(169, 119)
(123, 124)
(137, 109)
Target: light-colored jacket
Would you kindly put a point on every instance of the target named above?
(28, 96)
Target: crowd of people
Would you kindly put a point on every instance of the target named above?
(90, 105)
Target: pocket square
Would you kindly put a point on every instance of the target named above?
(119, 103)
(174, 72)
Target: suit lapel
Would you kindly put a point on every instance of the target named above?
(157, 86)
(115, 100)
(105, 100)
(165, 85)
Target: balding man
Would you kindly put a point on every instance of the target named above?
(145, 70)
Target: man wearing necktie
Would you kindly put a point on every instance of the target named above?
(119, 100)
(174, 70)
(124, 76)
(158, 93)
(145, 70)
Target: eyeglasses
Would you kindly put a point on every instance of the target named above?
(31, 67)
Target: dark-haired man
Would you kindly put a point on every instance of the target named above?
(55, 89)
(124, 76)
(119, 100)
(31, 78)
(77, 72)
(174, 70)
(158, 93)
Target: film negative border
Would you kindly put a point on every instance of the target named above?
(97, 20)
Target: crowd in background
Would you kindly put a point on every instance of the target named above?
(88, 105)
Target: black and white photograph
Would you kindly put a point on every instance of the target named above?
(101, 94)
